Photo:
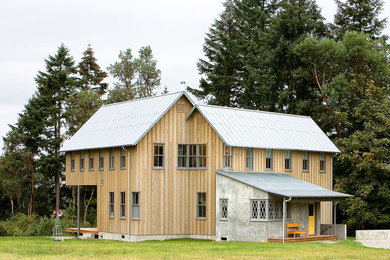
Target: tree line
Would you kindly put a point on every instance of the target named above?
(67, 95)
(280, 55)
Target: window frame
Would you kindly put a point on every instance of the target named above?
(122, 160)
(158, 156)
(82, 161)
(111, 205)
(186, 156)
(287, 157)
(249, 159)
(101, 159)
(270, 213)
(227, 156)
(135, 205)
(122, 205)
(72, 161)
(90, 160)
(200, 205)
(322, 162)
(111, 159)
(269, 152)
(224, 203)
(307, 161)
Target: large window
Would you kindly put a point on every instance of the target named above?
(227, 156)
(91, 160)
(112, 159)
(158, 156)
(201, 205)
(123, 159)
(268, 159)
(322, 162)
(287, 160)
(305, 166)
(111, 204)
(101, 159)
(72, 161)
(135, 206)
(249, 158)
(267, 210)
(81, 161)
(123, 205)
(191, 156)
(224, 208)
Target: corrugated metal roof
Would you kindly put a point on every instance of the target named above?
(282, 184)
(123, 123)
(259, 129)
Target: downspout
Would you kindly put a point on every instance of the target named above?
(284, 216)
(128, 194)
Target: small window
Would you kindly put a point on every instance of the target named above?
(111, 205)
(158, 156)
(112, 159)
(275, 209)
(72, 161)
(305, 161)
(249, 158)
(81, 161)
(182, 156)
(191, 156)
(135, 206)
(287, 160)
(201, 205)
(322, 162)
(201, 156)
(268, 159)
(224, 208)
(91, 160)
(227, 156)
(123, 160)
(267, 209)
(258, 209)
(123, 205)
(101, 159)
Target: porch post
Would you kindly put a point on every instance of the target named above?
(78, 211)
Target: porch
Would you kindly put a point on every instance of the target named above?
(309, 238)
(91, 231)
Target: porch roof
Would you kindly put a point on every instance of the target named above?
(281, 184)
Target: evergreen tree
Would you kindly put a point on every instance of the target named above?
(90, 72)
(360, 16)
(148, 76)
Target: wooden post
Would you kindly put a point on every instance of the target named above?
(334, 217)
(78, 211)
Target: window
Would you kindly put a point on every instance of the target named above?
(191, 156)
(135, 206)
(123, 205)
(287, 160)
(305, 161)
(101, 159)
(158, 156)
(266, 209)
(224, 208)
(111, 205)
(91, 160)
(249, 158)
(112, 159)
(227, 156)
(201, 205)
(123, 159)
(268, 159)
(322, 162)
(72, 161)
(81, 161)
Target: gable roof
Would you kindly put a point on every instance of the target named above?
(283, 185)
(122, 124)
(259, 129)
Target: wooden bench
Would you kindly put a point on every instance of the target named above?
(298, 230)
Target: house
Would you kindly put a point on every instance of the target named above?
(165, 168)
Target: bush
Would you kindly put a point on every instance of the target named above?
(43, 227)
(18, 224)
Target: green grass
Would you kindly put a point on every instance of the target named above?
(46, 248)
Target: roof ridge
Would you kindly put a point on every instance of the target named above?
(252, 110)
(140, 99)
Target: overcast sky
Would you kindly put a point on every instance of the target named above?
(175, 29)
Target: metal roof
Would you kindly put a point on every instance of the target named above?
(283, 185)
(259, 129)
(123, 123)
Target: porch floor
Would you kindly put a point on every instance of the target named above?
(93, 231)
(303, 238)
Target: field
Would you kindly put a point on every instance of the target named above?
(46, 248)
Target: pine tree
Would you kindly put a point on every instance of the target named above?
(148, 76)
(90, 72)
(360, 16)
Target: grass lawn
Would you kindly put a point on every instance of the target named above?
(46, 248)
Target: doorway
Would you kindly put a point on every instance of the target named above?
(312, 218)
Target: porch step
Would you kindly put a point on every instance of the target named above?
(302, 239)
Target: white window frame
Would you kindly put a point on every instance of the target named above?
(287, 158)
(91, 160)
(322, 162)
(123, 160)
(224, 203)
(101, 160)
(111, 164)
(200, 206)
(305, 157)
(269, 154)
(72, 162)
(82, 161)
(122, 214)
(184, 156)
(227, 157)
(135, 205)
(111, 204)
(249, 159)
(158, 155)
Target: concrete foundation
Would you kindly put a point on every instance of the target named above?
(132, 238)
(374, 238)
